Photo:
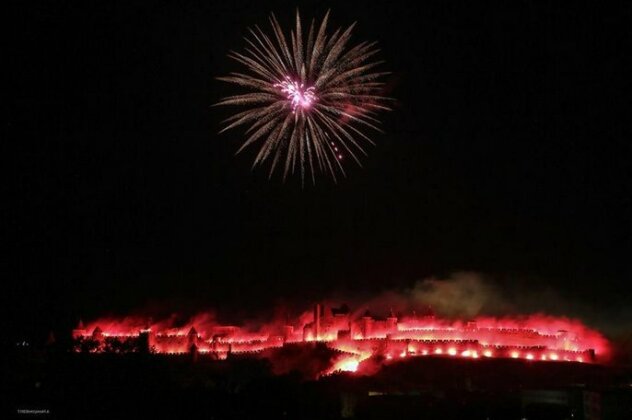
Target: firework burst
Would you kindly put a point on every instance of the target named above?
(309, 101)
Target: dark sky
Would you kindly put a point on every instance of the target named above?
(508, 153)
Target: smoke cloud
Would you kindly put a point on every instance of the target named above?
(466, 295)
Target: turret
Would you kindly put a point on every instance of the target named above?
(288, 332)
(80, 331)
(471, 325)
(367, 324)
(391, 322)
(308, 332)
(146, 340)
(192, 337)
(565, 338)
(316, 329)
(591, 355)
(97, 334)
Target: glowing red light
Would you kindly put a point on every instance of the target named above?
(357, 337)
(349, 365)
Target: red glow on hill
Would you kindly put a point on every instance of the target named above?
(533, 338)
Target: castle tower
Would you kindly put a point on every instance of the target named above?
(146, 340)
(391, 322)
(192, 337)
(366, 325)
(192, 343)
(565, 338)
(317, 321)
(308, 332)
(80, 331)
(97, 334)
(591, 355)
(288, 332)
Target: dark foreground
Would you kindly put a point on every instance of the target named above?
(108, 386)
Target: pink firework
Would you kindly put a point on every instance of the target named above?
(309, 100)
(297, 94)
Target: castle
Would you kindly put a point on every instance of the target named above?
(364, 336)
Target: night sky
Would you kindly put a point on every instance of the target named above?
(507, 153)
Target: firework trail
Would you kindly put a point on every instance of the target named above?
(309, 101)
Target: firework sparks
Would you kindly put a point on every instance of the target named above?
(309, 100)
(297, 94)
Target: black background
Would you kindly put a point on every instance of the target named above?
(508, 153)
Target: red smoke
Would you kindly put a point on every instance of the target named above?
(334, 339)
